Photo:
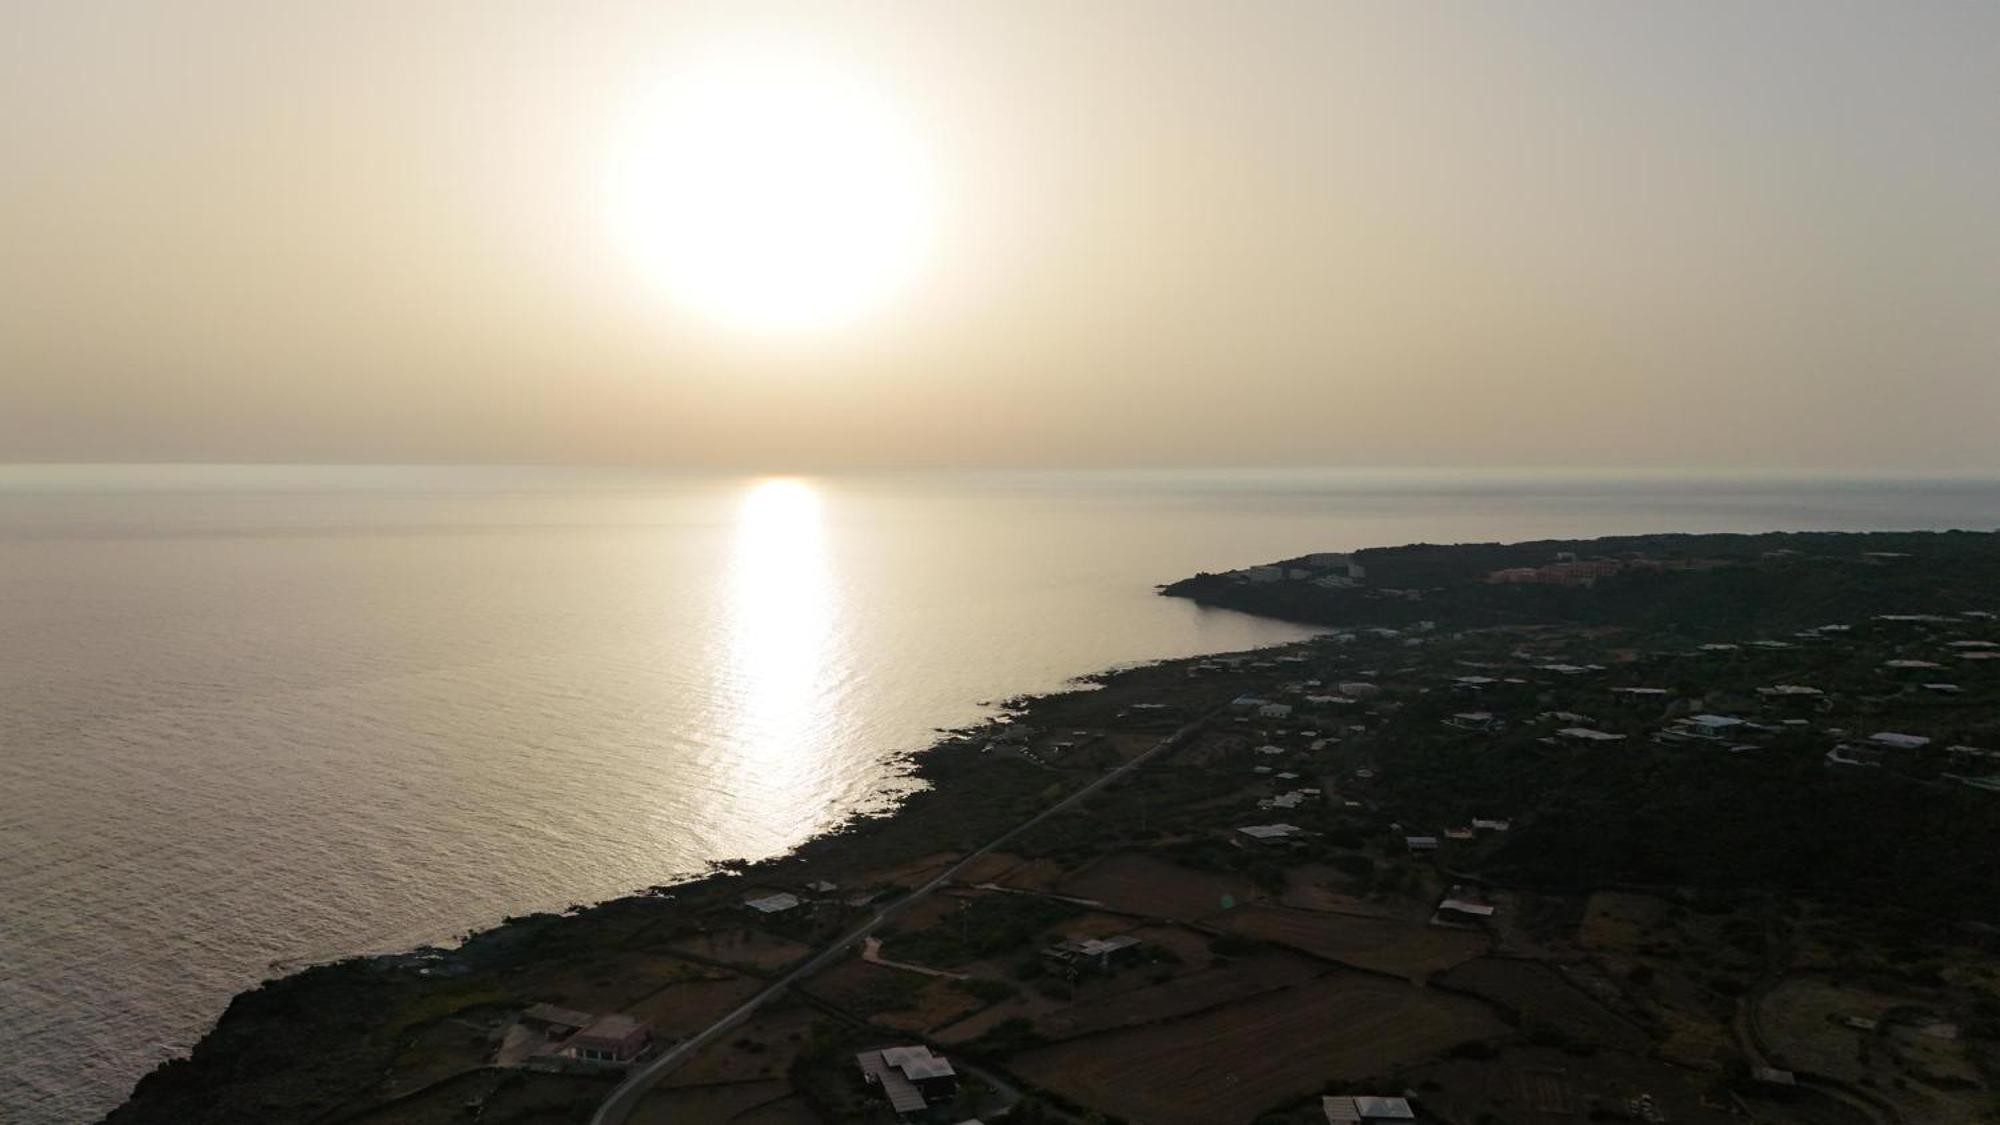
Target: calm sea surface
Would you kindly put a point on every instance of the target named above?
(253, 718)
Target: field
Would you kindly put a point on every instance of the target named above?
(1129, 999)
(894, 997)
(743, 946)
(687, 1007)
(1313, 887)
(1928, 1078)
(1406, 949)
(1545, 1001)
(1227, 1064)
(1145, 885)
(1621, 923)
(711, 1105)
(761, 1048)
(1544, 1086)
(909, 876)
(604, 982)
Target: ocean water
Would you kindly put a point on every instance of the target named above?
(253, 718)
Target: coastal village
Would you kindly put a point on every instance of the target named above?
(1531, 873)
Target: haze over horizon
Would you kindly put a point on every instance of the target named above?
(1161, 234)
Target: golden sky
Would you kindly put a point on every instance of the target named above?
(1149, 233)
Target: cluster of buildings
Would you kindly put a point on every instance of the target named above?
(1326, 570)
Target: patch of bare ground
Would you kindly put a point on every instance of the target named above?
(1544, 1000)
(913, 874)
(1208, 747)
(1090, 924)
(785, 1111)
(893, 997)
(1133, 998)
(1031, 1006)
(684, 1008)
(1316, 886)
(1145, 885)
(743, 945)
(605, 981)
(1190, 946)
(762, 1048)
(1129, 745)
(1929, 1077)
(1227, 1064)
(530, 1098)
(1546, 1086)
(1406, 949)
(443, 1103)
(707, 1105)
(1536, 925)
(1035, 875)
(990, 868)
(1617, 922)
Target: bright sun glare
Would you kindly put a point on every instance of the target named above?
(773, 193)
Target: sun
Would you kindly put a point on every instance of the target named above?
(773, 193)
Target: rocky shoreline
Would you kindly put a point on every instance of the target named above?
(301, 1046)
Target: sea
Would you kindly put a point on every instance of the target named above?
(256, 717)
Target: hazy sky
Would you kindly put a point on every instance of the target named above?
(1682, 233)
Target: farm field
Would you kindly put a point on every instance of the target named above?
(1203, 1070)
(1929, 1078)
(1146, 885)
(1545, 1000)
(690, 1005)
(708, 1105)
(1406, 949)
(894, 998)
(1546, 1086)
(743, 946)
(1133, 1000)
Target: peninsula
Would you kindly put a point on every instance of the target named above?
(1656, 828)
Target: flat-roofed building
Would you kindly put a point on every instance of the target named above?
(609, 1039)
(1349, 1110)
(1586, 734)
(911, 1078)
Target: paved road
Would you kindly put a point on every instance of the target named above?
(623, 1100)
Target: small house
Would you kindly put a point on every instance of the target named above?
(609, 1039)
(554, 1022)
(1097, 954)
(1710, 726)
(1587, 734)
(776, 903)
(1270, 833)
(1351, 1110)
(911, 1078)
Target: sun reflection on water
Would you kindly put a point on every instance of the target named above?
(781, 625)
